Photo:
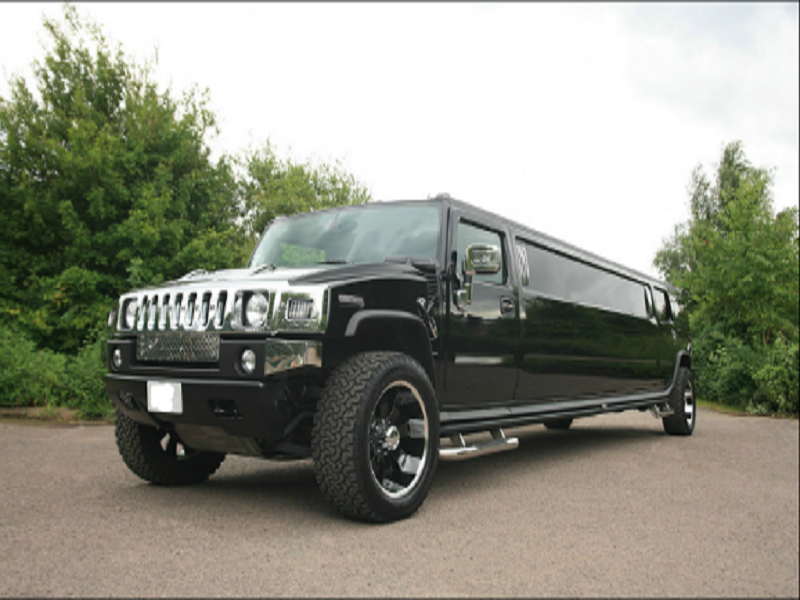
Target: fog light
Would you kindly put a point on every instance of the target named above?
(116, 359)
(248, 361)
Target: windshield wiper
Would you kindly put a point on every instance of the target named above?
(427, 265)
(264, 267)
(334, 261)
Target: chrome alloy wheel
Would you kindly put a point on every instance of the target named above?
(398, 439)
(688, 403)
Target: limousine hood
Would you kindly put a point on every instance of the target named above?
(320, 274)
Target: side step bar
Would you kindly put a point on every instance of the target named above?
(659, 411)
(460, 451)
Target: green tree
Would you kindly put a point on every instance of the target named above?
(105, 183)
(736, 264)
(270, 186)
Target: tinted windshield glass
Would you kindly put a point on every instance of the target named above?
(362, 235)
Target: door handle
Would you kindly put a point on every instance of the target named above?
(506, 305)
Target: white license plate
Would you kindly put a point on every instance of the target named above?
(164, 397)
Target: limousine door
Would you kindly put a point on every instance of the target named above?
(482, 334)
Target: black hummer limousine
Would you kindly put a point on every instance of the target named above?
(375, 339)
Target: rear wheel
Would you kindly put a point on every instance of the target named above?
(375, 440)
(682, 402)
(159, 456)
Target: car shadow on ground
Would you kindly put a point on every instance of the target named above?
(540, 448)
(288, 488)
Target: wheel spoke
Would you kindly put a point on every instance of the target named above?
(408, 464)
(414, 428)
(392, 486)
(387, 468)
(393, 416)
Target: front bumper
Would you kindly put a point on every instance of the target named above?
(247, 409)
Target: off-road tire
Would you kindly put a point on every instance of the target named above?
(346, 464)
(682, 401)
(141, 449)
(558, 423)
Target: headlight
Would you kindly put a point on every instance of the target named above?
(129, 314)
(256, 308)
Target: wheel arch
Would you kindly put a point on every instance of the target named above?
(682, 359)
(372, 330)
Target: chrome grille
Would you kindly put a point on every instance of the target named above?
(185, 347)
(216, 307)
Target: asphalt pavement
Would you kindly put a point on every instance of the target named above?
(612, 507)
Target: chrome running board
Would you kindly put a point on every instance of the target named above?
(461, 451)
(661, 411)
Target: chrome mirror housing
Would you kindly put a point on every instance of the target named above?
(480, 259)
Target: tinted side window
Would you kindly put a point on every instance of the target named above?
(561, 277)
(469, 234)
(661, 300)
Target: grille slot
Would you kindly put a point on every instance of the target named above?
(299, 309)
(182, 347)
(433, 285)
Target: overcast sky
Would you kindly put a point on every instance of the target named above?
(580, 120)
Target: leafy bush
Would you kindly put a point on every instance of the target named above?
(776, 377)
(28, 377)
(41, 377)
(84, 382)
(760, 379)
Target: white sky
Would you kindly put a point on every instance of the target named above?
(583, 121)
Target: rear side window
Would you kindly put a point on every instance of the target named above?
(565, 278)
(663, 308)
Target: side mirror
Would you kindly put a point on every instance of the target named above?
(480, 259)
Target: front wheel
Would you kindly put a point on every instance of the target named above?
(682, 402)
(375, 440)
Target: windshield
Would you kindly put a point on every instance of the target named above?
(366, 234)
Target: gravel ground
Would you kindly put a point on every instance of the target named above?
(613, 507)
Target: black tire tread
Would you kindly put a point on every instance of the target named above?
(139, 447)
(676, 424)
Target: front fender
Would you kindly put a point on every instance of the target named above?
(416, 343)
